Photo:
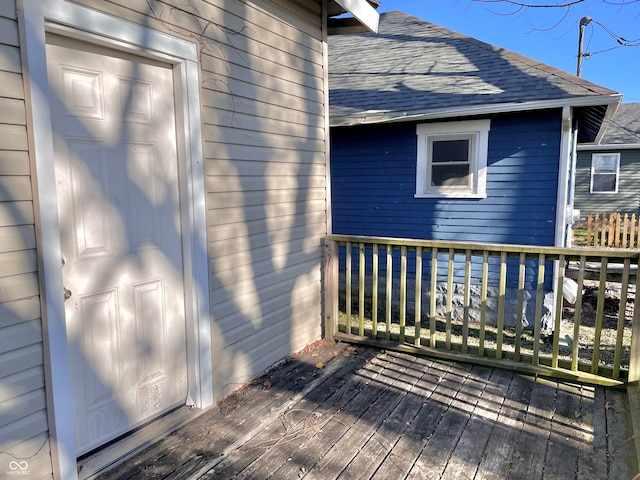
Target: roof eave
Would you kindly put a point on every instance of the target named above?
(363, 11)
(610, 146)
(389, 116)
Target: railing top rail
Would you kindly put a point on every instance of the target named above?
(491, 247)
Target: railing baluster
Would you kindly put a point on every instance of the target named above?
(483, 302)
(538, 311)
(449, 307)
(418, 298)
(374, 291)
(403, 291)
(432, 303)
(388, 293)
(577, 313)
(482, 268)
(466, 301)
(348, 286)
(602, 287)
(558, 313)
(502, 291)
(522, 270)
(361, 290)
(622, 316)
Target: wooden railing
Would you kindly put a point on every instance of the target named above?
(612, 230)
(456, 301)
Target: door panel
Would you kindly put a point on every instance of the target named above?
(118, 204)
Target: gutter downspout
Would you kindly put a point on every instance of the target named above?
(564, 167)
(563, 177)
(571, 211)
(327, 123)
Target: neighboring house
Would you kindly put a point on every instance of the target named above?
(608, 174)
(163, 199)
(438, 136)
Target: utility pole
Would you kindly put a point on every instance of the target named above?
(584, 21)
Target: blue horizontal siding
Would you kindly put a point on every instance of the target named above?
(373, 177)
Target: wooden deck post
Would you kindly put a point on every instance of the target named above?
(330, 289)
(634, 353)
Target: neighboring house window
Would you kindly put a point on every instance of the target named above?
(452, 159)
(605, 170)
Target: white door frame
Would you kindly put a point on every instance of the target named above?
(59, 16)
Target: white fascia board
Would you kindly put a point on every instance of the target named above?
(363, 11)
(609, 146)
(387, 116)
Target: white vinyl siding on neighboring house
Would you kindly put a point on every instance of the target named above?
(24, 444)
(452, 159)
(605, 172)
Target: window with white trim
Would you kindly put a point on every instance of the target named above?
(605, 172)
(452, 159)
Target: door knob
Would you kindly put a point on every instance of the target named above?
(67, 293)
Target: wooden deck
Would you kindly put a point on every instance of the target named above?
(338, 411)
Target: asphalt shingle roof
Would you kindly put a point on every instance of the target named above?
(412, 65)
(625, 126)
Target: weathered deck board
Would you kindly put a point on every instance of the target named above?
(499, 453)
(372, 414)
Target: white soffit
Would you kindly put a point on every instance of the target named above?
(363, 11)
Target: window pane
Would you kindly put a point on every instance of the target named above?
(450, 176)
(450, 151)
(604, 164)
(604, 182)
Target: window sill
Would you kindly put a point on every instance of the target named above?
(460, 195)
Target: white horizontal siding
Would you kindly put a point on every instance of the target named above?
(17, 238)
(20, 335)
(300, 225)
(21, 310)
(23, 420)
(13, 137)
(279, 215)
(15, 213)
(235, 136)
(22, 406)
(14, 162)
(8, 9)
(24, 438)
(310, 235)
(251, 123)
(9, 34)
(22, 359)
(14, 189)
(15, 263)
(265, 178)
(13, 111)
(230, 200)
(9, 58)
(263, 97)
(11, 85)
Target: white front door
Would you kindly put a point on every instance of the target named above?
(113, 119)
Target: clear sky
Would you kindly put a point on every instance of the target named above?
(549, 35)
